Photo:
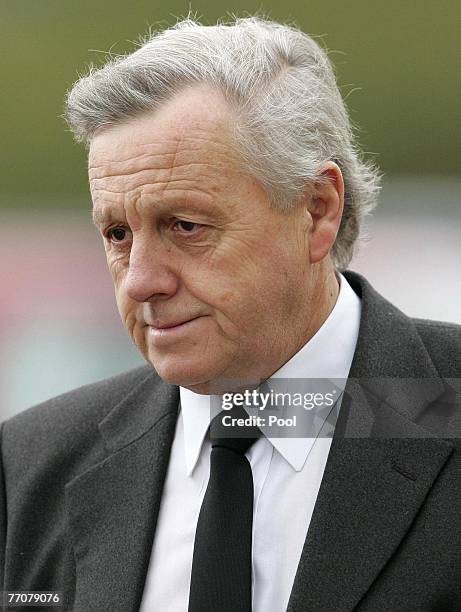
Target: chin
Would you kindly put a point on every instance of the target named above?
(195, 377)
(201, 379)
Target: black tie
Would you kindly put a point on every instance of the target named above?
(221, 565)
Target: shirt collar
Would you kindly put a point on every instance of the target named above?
(328, 354)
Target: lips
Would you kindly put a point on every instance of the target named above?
(170, 324)
(166, 334)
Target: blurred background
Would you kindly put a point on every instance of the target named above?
(398, 67)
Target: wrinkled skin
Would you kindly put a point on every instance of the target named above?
(193, 245)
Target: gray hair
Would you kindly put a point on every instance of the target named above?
(280, 83)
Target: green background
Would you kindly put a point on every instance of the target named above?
(397, 64)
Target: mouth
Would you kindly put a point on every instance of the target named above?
(173, 329)
(172, 325)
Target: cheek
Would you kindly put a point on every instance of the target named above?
(281, 288)
(118, 272)
(117, 268)
(122, 302)
(127, 309)
(241, 288)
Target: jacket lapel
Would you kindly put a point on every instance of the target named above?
(113, 507)
(380, 466)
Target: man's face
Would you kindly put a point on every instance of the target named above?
(210, 281)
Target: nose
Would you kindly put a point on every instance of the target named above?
(150, 272)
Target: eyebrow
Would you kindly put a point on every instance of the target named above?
(102, 216)
(109, 214)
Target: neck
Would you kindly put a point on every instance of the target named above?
(323, 296)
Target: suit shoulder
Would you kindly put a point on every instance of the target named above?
(90, 401)
(443, 343)
(67, 424)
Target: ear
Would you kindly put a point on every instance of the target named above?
(325, 207)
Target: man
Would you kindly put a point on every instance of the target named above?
(229, 194)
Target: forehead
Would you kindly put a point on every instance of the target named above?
(191, 133)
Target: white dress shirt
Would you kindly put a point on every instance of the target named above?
(287, 473)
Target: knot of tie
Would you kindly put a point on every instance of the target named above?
(234, 429)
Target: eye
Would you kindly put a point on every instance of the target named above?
(187, 227)
(118, 234)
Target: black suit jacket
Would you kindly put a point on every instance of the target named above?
(83, 477)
